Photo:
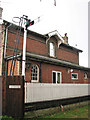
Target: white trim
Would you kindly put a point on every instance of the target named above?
(56, 76)
(15, 86)
(55, 32)
(74, 78)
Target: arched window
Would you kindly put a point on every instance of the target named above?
(34, 73)
(52, 49)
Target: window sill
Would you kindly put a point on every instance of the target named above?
(34, 81)
(74, 79)
(52, 56)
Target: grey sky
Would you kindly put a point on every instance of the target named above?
(68, 16)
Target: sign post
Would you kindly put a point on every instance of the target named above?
(28, 23)
(24, 51)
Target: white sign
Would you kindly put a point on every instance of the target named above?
(15, 86)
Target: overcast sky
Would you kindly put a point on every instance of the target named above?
(68, 16)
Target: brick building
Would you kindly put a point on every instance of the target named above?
(49, 57)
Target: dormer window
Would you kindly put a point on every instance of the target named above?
(52, 49)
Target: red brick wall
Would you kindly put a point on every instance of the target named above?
(38, 45)
(68, 55)
(47, 69)
(1, 49)
(11, 43)
(65, 53)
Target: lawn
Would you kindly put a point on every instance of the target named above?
(81, 112)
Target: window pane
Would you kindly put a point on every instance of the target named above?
(85, 75)
(58, 77)
(34, 72)
(74, 76)
(54, 77)
(52, 50)
(51, 46)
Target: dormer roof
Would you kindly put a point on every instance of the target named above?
(56, 34)
(60, 40)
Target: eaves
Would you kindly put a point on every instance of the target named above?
(55, 61)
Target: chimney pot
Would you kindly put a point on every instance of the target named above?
(65, 38)
(65, 34)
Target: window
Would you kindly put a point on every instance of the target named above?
(34, 73)
(56, 77)
(85, 75)
(52, 49)
(74, 75)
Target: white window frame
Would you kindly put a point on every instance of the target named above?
(52, 50)
(56, 77)
(74, 78)
(37, 74)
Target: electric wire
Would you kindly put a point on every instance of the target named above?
(16, 47)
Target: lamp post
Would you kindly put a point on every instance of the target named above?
(28, 23)
(24, 52)
(24, 47)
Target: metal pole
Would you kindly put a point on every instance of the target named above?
(24, 52)
(6, 40)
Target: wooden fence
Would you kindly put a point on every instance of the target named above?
(38, 92)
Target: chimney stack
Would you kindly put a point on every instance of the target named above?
(1, 10)
(65, 38)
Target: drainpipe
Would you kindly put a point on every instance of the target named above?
(6, 40)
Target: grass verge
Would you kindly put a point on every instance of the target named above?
(82, 112)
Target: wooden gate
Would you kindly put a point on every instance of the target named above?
(15, 96)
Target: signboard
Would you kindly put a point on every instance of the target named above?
(15, 86)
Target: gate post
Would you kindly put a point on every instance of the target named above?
(15, 96)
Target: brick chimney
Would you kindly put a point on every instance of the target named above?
(65, 38)
(1, 10)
